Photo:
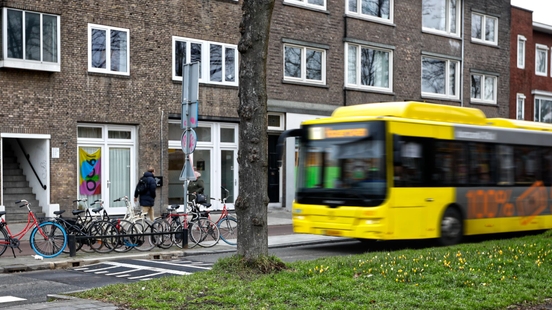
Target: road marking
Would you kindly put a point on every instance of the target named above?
(10, 299)
(194, 264)
(147, 268)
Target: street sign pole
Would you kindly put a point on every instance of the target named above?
(189, 120)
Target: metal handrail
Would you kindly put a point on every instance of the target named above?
(27, 156)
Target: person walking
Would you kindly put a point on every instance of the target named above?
(146, 191)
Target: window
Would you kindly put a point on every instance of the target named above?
(483, 88)
(541, 61)
(505, 165)
(439, 77)
(521, 52)
(520, 106)
(315, 4)
(484, 29)
(441, 16)
(371, 9)
(30, 40)
(368, 67)
(218, 61)
(108, 50)
(543, 110)
(304, 64)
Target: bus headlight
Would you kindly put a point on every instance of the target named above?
(299, 217)
(372, 222)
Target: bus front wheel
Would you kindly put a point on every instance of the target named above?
(452, 229)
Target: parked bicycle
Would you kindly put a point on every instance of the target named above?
(48, 239)
(202, 230)
(227, 224)
(137, 227)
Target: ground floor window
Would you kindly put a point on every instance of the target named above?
(106, 163)
(215, 158)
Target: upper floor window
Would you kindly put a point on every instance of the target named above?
(483, 88)
(440, 77)
(484, 29)
(441, 16)
(541, 61)
(304, 64)
(218, 62)
(370, 9)
(520, 106)
(543, 110)
(30, 40)
(521, 52)
(368, 67)
(315, 4)
(108, 50)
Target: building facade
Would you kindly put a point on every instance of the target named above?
(530, 69)
(91, 90)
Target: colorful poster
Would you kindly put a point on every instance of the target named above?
(90, 171)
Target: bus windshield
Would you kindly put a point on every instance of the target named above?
(343, 164)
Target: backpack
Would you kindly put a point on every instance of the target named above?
(142, 186)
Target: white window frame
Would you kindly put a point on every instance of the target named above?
(306, 4)
(543, 96)
(543, 48)
(360, 15)
(483, 40)
(282, 124)
(483, 85)
(358, 84)
(107, 68)
(204, 74)
(303, 78)
(39, 65)
(520, 106)
(447, 30)
(521, 50)
(447, 94)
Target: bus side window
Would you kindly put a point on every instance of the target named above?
(547, 166)
(408, 170)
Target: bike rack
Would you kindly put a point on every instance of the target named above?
(72, 239)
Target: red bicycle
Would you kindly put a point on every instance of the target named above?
(48, 239)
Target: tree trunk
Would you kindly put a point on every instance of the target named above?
(251, 204)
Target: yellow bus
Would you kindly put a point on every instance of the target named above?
(413, 170)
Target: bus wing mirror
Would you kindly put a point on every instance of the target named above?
(397, 160)
(282, 140)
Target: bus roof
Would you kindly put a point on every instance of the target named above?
(415, 110)
(519, 124)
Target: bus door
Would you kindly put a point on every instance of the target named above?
(416, 202)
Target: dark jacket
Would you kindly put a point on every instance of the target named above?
(147, 199)
(196, 186)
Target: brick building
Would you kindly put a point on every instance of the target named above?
(530, 77)
(91, 89)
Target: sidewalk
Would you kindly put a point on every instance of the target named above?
(276, 216)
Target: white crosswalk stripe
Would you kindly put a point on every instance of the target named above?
(5, 299)
(143, 269)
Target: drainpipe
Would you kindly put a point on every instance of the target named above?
(161, 154)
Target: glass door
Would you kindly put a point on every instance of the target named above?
(90, 174)
(118, 183)
(228, 177)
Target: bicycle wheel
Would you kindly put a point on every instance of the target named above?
(106, 236)
(228, 227)
(72, 228)
(48, 239)
(144, 242)
(177, 228)
(127, 236)
(4, 240)
(163, 240)
(204, 232)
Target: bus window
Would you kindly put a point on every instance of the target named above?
(525, 165)
(547, 166)
(480, 168)
(408, 170)
(450, 163)
(505, 165)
